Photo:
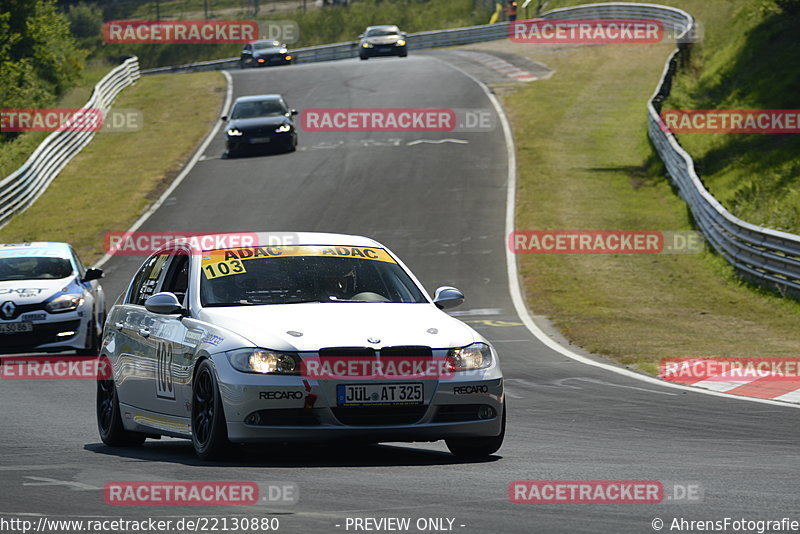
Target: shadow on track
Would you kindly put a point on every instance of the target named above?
(290, 455)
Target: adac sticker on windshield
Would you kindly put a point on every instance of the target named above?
(234, 258)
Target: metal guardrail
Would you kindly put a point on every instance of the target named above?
(761, 255)
(336, 51)
(19, 190)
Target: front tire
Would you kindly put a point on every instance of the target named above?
(209, 431)
(109, 422)
(478, 447)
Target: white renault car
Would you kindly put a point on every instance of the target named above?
(327, 338)
(49, 301)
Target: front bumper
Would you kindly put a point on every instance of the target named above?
(262, 408)
(52, 334)
(258, 142)
(378, 50)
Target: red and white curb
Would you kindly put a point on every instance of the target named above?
(770, 385)
(503, 67)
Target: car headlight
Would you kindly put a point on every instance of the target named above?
(367, 45)
(284, 50)
(263, 361)
(283, 128)
(401, 42)
(471, 357)
(64, 303)
(233, 132)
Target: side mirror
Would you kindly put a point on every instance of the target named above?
(163, 304)
(448, 297)
(92, 274)
(223, 118)
(293, 111)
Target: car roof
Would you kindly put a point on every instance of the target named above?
(9, 249)
(288, 239)
(383, 27)
(258, 98)
(257, 41)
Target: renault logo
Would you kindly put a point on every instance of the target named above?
(374, 340)
(7, 309)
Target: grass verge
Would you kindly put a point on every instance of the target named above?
(96, 193)
(584, 162)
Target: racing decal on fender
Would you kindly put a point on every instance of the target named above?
(227, 262)
(468, 390)
(280, 395)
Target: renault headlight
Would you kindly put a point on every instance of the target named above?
(367, 45)
(64, 303)
(401, 42)
(471, 357)
(283, 128)
(264, 361)
(233, 132)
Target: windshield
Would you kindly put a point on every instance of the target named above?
(34, 268)
(382, 33)
(268, 44)
(286, 275)
(258, 108)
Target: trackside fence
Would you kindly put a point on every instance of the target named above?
(26, 184)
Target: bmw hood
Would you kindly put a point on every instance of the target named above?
(384, 40)
(33, 291)
(311, 326)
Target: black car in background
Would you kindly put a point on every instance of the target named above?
(382, 41)
(259, 123)
(265, 53)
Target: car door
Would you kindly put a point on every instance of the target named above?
(173, 343)
(247, 54)
(136, 352)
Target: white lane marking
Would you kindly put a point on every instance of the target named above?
(477, 311)
(184, 172)
(515, 287)
(35, 467)
(76, 486)
(562, 381)
(437, 141)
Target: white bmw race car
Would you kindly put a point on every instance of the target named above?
(49, 301)
(327, 338)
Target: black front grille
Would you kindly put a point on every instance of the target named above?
(283, 417)
(455, 413)
(407, 352)
(379, 415)
(42, 334)
(24, 308)
(347, 352)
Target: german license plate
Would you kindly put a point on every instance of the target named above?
(379, 394)
(257, 140)
(14, 328)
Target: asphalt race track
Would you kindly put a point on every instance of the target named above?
(441, 207)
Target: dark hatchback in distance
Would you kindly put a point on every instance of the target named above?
(260, 123)
(382, 41)
(265, 53)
